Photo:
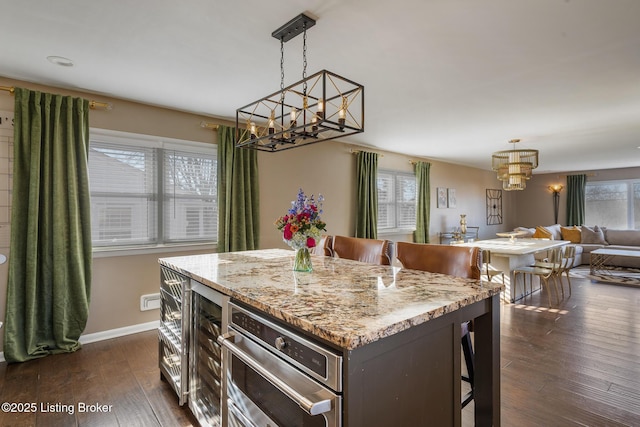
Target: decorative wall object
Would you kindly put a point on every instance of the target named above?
(494, 207)
(452, 202)
(442, 197)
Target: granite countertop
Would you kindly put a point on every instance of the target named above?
(347, 303)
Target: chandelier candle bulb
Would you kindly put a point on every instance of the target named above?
(320, 112)
(272, 123)
(253, 130)
(294, 113)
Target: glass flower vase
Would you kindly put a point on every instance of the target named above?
(302, 261)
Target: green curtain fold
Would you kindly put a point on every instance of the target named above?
(238, 195)
(423, 207)
(576, 207)
(49, 281)
(367, 196)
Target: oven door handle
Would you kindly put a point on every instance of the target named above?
(311, 407)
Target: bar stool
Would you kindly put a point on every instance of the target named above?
(372, 251)
(457, 261)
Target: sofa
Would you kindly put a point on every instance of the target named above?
(587, 239)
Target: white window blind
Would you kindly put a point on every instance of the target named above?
(190, 208)
(396, 201)
(124, 206)
(143, 193)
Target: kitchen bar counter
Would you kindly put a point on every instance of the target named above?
(346, 303)
(398, 331)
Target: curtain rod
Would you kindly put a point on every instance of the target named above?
(208, 125)
(588, 174)
(94, 105)
(362, 151)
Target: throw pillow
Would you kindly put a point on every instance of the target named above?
(573, 234)
(542, 233)
(526, 232)
(593, 235)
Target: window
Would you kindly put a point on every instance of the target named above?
(396, 201)
(613, 204)
(151, 192)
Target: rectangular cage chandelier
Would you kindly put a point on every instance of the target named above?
(317, 108)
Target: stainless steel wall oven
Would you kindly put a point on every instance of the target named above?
(275, 376)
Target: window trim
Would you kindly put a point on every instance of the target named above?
(156, 142)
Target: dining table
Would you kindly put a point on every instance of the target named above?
(509, 253)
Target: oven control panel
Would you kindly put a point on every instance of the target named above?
(310, 356)
(281, 342)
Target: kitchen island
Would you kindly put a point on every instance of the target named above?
(398, 330)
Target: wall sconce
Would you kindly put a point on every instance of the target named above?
(556, 189)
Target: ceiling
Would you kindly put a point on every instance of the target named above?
(450, 80)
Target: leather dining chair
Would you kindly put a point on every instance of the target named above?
(372, 251)
(460, 261)
(457, 261)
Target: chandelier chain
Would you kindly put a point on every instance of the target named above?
(304, 58)
(281, 69)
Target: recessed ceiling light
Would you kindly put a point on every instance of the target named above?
(60, 60)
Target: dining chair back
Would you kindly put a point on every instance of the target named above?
(488, 270)
(372, 251)
(460, 261)
(566, 263)
(473, 232)
(547, 271)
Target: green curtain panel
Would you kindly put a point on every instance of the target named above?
(49, 281)
(423, 208)
(576, 199)
(367, 209)
(238, 195)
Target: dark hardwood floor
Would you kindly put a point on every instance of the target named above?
(121, 375)
(575, 365)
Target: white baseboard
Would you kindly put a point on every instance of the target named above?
(119, 332)
(112, 333)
